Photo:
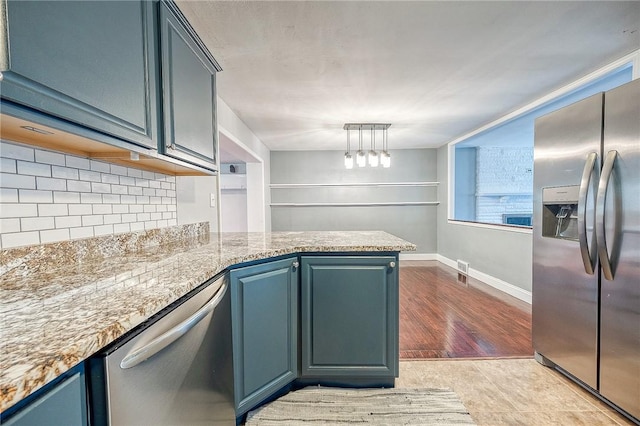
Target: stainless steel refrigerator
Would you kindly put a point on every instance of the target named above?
(586, 243)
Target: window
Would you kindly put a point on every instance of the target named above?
(493, 169)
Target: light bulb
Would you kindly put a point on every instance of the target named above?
(385, 159)
(348, 160)
(361, 159)
(373, 158)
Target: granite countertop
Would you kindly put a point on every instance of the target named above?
(63, 302)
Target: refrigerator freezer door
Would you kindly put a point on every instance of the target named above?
(565, 297)
(620, 297)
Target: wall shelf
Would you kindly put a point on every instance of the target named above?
(383, 204)
(359, 184)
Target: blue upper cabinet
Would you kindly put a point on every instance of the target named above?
(93, 63)
(189, 91)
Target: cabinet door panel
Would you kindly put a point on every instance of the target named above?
(349, 308)
(69, 60)
(65, 404)
(189, 81)
(265, 315)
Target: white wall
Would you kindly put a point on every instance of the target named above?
(194, 200)
(258, 201)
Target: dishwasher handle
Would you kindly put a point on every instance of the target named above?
(159, 343)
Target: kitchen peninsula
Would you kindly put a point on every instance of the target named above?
(64, 302)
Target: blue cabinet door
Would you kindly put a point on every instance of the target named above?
(264, 309)
(189, 91)
(62, 404)
(93, 63)
(349, 316)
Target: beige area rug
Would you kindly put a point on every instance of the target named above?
(336, 406)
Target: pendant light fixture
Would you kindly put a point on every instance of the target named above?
(373, 158)
(348, 159)
(385, 157)
(361, 159)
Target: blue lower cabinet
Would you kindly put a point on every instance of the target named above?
(349, 317)
(264, 300)
(63, 403)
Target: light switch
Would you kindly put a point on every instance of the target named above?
(212, 201)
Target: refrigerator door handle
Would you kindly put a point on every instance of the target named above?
(589, 257)
(159, 343)
(601, 200)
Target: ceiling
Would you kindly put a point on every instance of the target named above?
(295, 72)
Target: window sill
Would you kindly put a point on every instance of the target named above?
(497, 227)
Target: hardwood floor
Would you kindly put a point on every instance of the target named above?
(443, 318)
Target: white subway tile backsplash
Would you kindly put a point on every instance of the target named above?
(20, 239)
(87, 175)
(18, 210)
(110, 178)
(136, 226)
(7, 165)
(92, 220)
(9, 225)
(130, 217)
(100, 188)
(36, 223)
(120, 208)
(54, 235)
(8, 180)
(121, 227)
(77, 162)
(80, 209)
(119, 189)
(35, 196)
(125, 180)
(16, 152)
(84, 232)
(53, 210)
(127, 199)
(48, 157)
(54, 184)
(111, 198)
(135, 190)
(102, 209)
(47, 196)
(112, 218)
(68, 221)
(78, 186)
(8, 195)
(33, 169)
(118, 170)
(134, 173)
(90, 198)
(103, 230)
(64, 172)
(142, 183)
(66, 197)
(100, 166)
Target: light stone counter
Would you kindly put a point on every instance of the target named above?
(63, 302)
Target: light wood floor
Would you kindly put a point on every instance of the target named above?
(441, 317)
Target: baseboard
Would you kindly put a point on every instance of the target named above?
(418, 256)
(494, 282)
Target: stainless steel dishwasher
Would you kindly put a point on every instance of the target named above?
(176, 371)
